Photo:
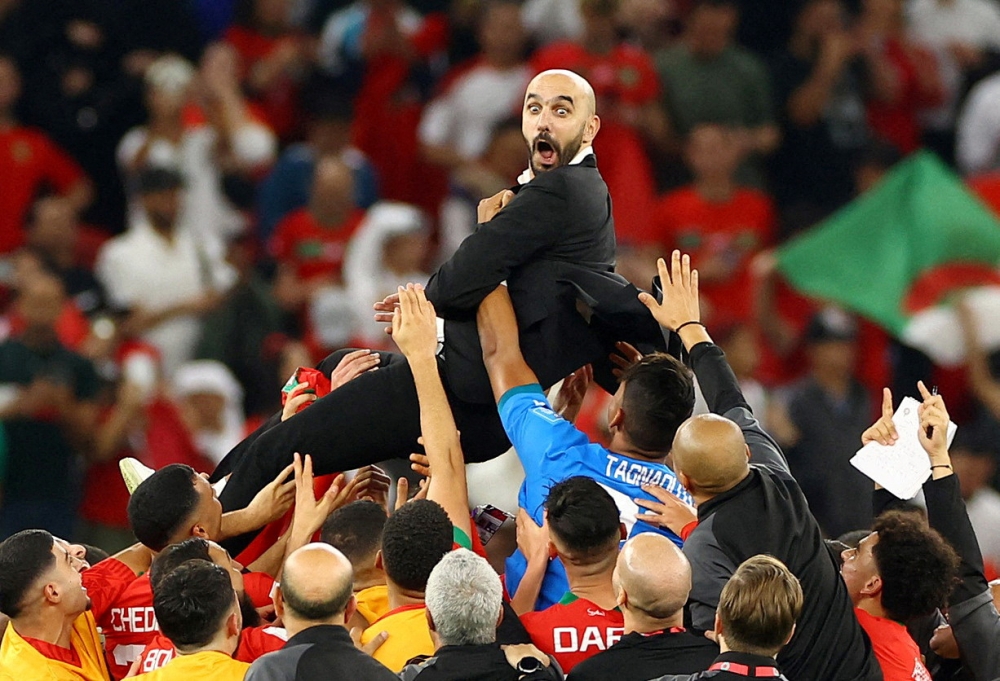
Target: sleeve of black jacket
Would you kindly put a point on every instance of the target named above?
(713, 567)
(724, 397)
(974, 619)
(531, 222)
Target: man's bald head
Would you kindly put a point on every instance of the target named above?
(654, 575)
(572, 83)
(711, 453)
(559, 118)
(317, 582)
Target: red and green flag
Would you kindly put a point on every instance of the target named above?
(898, 255)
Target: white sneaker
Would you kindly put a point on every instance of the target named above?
(134, 472)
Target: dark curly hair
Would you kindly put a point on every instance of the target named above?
(917, 566)
(415, 539)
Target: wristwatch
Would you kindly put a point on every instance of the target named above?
(529, 665)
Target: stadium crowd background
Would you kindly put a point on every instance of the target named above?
(199, 196)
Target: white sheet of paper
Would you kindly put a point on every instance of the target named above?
(901, 468)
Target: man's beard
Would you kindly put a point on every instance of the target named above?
(251, 618)
(563, 155)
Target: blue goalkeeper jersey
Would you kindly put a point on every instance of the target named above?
(551, 450)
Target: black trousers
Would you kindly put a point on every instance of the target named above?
(373, 418)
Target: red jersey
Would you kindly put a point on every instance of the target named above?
(128, 626)
(730, 233)
(254, 642)
(105, 583)
(574, 629)
(258, 586)
(897, 653)
(29, 162)
(314, 250)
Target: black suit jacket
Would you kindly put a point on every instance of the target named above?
(554, 245)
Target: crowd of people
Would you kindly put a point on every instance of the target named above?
(203, 199)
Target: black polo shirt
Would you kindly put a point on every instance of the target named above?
(638, 657)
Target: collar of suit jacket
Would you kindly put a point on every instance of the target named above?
(527, 176)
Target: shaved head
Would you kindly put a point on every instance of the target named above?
(654, 574)
(317, 582)
(559, 118)
(574, 85)
(711, 452)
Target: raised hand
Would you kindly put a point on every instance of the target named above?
(385, 309)
(403, 492)
(882, 431)
(274, 500)
(680, 293)
(372, 483)
(414, 324)
(569, 399)
(934, 419)
(626, 356)
(311, 513)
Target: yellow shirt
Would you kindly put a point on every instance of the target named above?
(205, 666)
(409, 636)
(19, 661)
(373, 602)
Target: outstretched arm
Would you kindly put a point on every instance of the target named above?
(414, 327)
(973, 617)
(680, 312)
(536, 431)
(498, 335)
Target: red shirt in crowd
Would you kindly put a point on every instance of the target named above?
(314, 250)
(254, 642)
(624, 75)
(279, 104)
(729, 232)
(896, 120)
(897, 653)
(29, 162)
(574, 629)
(388, 102)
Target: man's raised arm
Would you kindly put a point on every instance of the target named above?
(680, 312)
(498, 334)
(414, 328)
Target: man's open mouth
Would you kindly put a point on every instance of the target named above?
(546, 152)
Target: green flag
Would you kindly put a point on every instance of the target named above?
(896, 252)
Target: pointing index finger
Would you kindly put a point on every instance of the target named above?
(924, 392)
(887, 410)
